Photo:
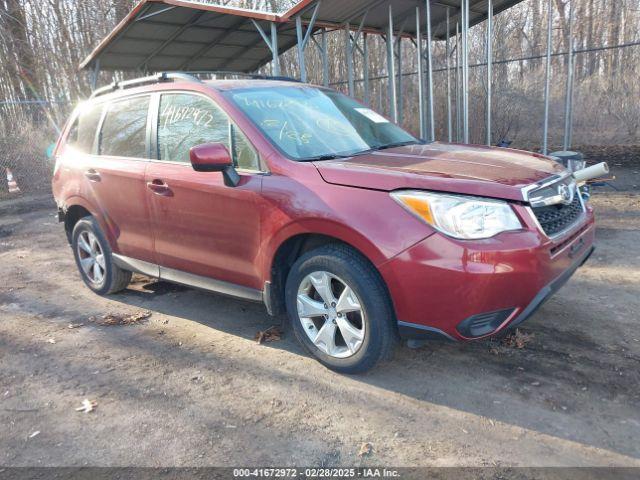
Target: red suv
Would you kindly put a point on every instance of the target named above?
(306, 200)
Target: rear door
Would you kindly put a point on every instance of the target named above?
(200, 225)
(116, 175)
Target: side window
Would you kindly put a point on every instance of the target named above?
(244, 155)
(83, 132)
(124, 130)
(186, 120)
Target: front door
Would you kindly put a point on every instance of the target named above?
(201, 226)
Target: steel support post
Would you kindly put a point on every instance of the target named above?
(431, 126)
(391, 69)
(400, 87)
(303, 39)
(275, 68)
(421, 109)
(568, 121)
(448, 55)
(272, 43)
(325, 59)
(94, 74)
(301, 64)
(458, 87)
(365, 67)
(547, 80)
(489, 66)
(465, 71)
(349, 53)
(568, 106)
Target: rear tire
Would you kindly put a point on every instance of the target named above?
(347, 322)
(94, 259)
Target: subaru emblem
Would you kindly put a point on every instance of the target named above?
(566, 193)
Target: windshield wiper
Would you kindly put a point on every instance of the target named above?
(328, 156)
(397, 144)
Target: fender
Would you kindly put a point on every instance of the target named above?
(318, 226)
(97, 213)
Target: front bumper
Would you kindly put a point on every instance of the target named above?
(460, 290)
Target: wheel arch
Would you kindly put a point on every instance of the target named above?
(76, 208)
(285, 249)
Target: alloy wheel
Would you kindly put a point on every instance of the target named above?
(331, 314)
(91, 257)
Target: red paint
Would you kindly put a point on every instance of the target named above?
(177, 217)
(211, 157)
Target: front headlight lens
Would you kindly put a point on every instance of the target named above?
(460, 216)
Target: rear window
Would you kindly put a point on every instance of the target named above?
(124, 130)
(83, 132)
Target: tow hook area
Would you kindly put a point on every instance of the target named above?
(576, 247)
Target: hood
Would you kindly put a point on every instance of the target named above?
(467, 169)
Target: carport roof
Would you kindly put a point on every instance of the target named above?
(163, 35)
(338, 12)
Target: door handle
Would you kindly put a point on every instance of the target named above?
(92, 175)
(158, 187)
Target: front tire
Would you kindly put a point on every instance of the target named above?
(95, 260)
(340, 309)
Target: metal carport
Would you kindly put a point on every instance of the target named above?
(170, 35)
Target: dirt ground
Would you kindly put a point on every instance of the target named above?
(189, 386)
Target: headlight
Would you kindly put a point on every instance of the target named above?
(460, 216)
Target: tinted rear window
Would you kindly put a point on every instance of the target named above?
(124, 131)
(83, 132)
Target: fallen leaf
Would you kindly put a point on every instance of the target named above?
(111, 319)
(34, 434)
(76, 325)
(517, 339)
(271, 334)
(366, 449)
(87, 406)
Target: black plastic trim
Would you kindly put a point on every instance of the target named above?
(408, 330)
(482, 324)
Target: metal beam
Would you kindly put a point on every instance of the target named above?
(365, 55)
(391, 69)
(150, 15)
(489, 66)
(175, 35)
(217, 39)
(458, 87)
(421, 109)
(325, 59)
(568, 108)
(547, 80)
(303, 39)
(429, 73)
(465, 71)
(275, 65)
(95, 73)
(400, 83)
(448, 55)
(349, 54)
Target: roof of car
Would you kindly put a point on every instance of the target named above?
(183, 80)
(225, 85)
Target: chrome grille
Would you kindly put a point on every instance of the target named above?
(556, 218)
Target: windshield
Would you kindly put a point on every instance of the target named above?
(308, 123)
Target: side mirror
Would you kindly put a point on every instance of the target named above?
(214, 157)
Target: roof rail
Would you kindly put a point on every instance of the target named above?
(254, 76)
(150, 80)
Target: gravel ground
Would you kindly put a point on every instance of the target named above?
(189, 386)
